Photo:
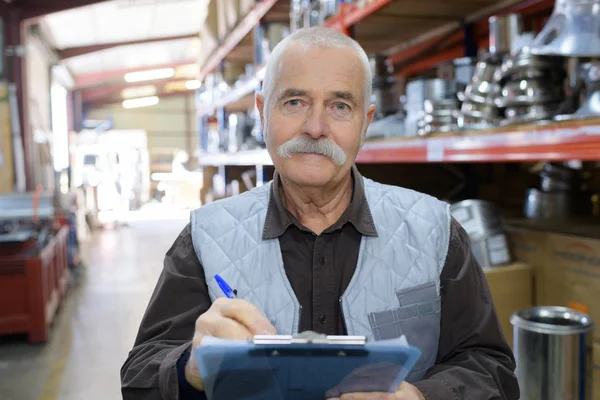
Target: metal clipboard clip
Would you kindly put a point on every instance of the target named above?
(301, 344)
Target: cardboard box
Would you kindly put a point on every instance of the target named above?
(596, 372)
(6, 145)
(512, 290)
(529, 246)
(572, 274)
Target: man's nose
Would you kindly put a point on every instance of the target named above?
(316, 123)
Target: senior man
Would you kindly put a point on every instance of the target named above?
(320, 248)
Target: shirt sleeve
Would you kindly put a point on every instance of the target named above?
(474, 360)
(180, 297)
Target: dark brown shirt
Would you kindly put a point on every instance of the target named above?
(474, 360)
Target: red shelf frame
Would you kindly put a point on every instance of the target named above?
(351, 14)
(553, 142)
(236, 35)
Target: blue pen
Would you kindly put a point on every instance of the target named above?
(227, 290)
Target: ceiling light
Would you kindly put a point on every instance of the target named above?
(140, 91)
(141, 102)
(149, 75)
(193, 84)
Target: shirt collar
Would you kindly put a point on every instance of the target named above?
(358, 213)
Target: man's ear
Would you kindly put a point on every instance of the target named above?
(370, 115)
(260, 106)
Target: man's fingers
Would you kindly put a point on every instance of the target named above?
(214, 324)
(248, 315)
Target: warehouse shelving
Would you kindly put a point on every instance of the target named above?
(557, 141)
(237, 94)
(429, 35)
(236, 35)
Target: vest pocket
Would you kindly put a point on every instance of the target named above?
(418, 317)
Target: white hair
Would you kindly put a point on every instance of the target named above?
(311, 38)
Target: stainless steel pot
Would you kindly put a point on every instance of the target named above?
(553, 350)
(527, 92)
(483, 88)
(543, 205)
(529, 113)
(485, 112)
(525, 65)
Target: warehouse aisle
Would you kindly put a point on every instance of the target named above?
(98, 323)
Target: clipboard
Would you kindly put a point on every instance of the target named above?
(302, 367)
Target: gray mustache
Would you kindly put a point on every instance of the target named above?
(302, 144)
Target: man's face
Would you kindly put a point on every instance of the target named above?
(318, 102)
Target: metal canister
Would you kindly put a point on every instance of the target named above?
(485, 226)
(553, 349)
(504, 30)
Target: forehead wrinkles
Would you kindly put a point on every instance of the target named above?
(338, 70)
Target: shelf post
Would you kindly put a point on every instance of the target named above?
(469, 42)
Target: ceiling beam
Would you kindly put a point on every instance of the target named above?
(39, 8)
(71, 52)
(107, 91)
(104, 77)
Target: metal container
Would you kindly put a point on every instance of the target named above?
(486, 112)
(546, 205)
(442, 108)
(484, 224)
(504, 31)
(553, 350)
(419, 90)
(591, 106)
(525, 65)
(492, 250)
(573, 30)
(479, 218)
(530, 113)
(464, 69)
(528, 92)
(483, 88)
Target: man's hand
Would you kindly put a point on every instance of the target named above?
(226, 319)
(406, 391)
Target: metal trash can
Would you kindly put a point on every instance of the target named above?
(553, 349)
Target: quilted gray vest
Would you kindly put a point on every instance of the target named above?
(394, 290)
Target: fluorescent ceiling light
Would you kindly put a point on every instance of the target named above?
(193, 84)
(149, 75)
(140, 91)
(141, 102)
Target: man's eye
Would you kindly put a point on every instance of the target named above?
(342, 107)
(293, 103)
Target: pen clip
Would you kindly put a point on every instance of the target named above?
(225, 288)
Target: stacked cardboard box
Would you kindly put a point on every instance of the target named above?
(512, 290)
(6, 150)
(565, 257)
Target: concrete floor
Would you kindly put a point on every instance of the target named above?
(98, 322)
